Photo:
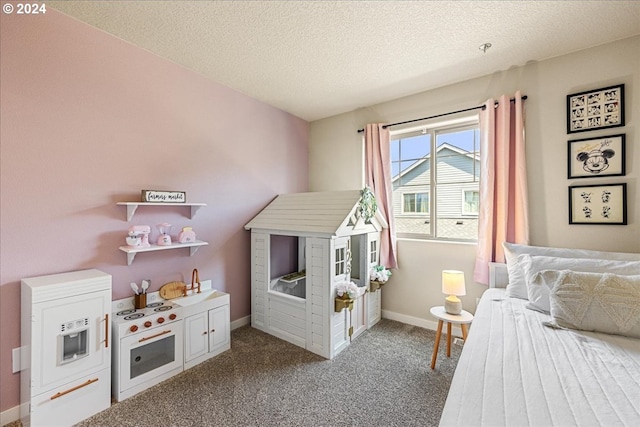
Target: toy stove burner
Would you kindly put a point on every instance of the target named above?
(163, 308)
(134, 316)
(154, 304)
(126, 312)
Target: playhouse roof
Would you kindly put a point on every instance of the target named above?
(325, 212)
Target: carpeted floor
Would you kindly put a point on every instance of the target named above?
(382, 379)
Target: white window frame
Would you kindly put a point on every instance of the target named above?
(373, 252)
(464, 204)
(436, 128)
(341, 261)
(427, 213)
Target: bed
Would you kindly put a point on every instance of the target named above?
(524, 366)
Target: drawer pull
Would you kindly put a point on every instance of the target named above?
(153, 336)
(62, 393)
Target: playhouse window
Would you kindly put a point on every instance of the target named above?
(373, 252)
(340, 261)
(287, 265)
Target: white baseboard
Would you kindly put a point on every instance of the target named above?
(241, 322)
(417, 321)
(10, 415)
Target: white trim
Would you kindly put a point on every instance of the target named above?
(11, 414)
(467, 119)
(243, 321)
(417, 321)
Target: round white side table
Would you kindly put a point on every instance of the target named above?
(462, 319)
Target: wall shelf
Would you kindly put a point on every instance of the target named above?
(131, 252)
(132, 206)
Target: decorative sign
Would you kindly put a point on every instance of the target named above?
(157, 196)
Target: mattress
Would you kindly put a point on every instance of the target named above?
(514, 371)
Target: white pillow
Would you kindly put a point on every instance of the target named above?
(539, 285)
(517, 286)
(596, 302)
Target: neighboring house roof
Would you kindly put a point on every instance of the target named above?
(471, 155)
(333, 213)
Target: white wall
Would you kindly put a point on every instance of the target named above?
(336, 153)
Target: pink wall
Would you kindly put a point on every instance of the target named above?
(89, 120)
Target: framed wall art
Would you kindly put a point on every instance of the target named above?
(595, 109)
(594, 157)
(598, 204)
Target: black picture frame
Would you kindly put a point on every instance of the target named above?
(598, 204)
(596, 157)
(595, 109)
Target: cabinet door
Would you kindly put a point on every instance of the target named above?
(195, 336)
(359, 316)
(50, 321)
(219, 329)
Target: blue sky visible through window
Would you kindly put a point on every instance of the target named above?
(416, 147)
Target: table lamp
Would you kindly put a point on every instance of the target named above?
(453, 286)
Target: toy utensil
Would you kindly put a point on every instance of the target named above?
(145, 286)
(134, 286)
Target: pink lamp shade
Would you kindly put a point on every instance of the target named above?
(453, 285)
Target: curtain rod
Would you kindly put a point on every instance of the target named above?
(480, 107)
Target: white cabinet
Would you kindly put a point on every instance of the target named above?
(207, 330)
(65, 329)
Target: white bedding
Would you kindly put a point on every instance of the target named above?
(514, 371)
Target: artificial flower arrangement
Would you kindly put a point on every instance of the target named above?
(346, 293)
(378, 276)
(347, 290)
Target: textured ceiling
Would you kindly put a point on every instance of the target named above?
(316, 59)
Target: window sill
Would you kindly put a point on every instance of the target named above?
(445, 241)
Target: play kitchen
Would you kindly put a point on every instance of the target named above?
(149, 332)
(65, 330)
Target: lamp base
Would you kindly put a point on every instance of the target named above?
(452, 305)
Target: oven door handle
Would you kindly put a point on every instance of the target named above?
(153, 336)
(62, 393)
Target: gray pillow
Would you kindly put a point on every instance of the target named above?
(606, 302)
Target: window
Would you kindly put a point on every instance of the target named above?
(415, 203)
(471, 203)
(436, 172)
(340, 261)
(374, 252)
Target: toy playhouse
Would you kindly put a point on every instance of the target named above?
(302, 246)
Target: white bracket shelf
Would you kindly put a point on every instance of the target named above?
(131, 252)
(132, 206)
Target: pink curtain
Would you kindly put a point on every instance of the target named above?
(377, 169)
(503, 182)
